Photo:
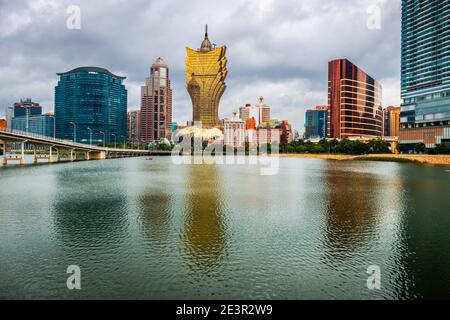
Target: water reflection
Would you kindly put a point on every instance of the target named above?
(89, 217)
(156, 213)
(426, 233)
(204, 231)
(351, 210)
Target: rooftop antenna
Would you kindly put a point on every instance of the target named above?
(206, 31)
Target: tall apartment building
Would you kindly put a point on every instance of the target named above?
(134, 127)
(156, 104)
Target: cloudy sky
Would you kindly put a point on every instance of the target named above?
(276, 49)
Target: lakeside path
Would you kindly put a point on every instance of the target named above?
(427, 159)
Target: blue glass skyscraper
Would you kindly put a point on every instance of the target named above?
(425, 83)
(316, 123)
(91, 105)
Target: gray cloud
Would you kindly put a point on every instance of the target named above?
(277, 49)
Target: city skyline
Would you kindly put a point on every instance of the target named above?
(255, 49)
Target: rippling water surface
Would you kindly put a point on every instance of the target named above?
(154, 230)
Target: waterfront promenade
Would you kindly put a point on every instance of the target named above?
(419, 158)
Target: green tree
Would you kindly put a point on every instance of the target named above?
(420, 148)
(402, 148)
(379, 146)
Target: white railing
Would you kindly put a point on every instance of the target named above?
(50, 140)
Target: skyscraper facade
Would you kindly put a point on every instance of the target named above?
(91, 105)
(425, 83)
(316, 123)
(206, 71)
(354, 102)
(156, 104)
(134, 127)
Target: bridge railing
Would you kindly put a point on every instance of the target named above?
(50, 140)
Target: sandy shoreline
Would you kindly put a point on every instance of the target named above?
(427, 159)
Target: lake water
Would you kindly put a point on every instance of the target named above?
(143, 229)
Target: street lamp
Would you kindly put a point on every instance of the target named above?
(74, 132)
(90, 135)
(104, 138)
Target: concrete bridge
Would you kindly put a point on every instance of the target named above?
(64, 149)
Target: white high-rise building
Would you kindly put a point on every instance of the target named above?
(234, 134)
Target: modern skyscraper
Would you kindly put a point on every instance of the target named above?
(156, 104)
(26, 116)
(316, 123)
(391, 118)
(134, 127)
(425, 84)
(354, 102)
(26, 107)
(206, 70)
(91, 105)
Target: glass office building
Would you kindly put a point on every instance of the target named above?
(36, 124)
(91, 105)
(425, 83)
(316, 123)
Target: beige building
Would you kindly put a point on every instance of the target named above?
(263, 112)
(268, 135)
(245, 113)
(391, 119)
(156, 104)
(234, 132)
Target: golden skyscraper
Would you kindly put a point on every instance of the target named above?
(206, 70)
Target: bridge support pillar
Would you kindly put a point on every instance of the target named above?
(35, 159)
(97, 155)
(22, 160)
(58, 156)
(50, 159)
(72, 157)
